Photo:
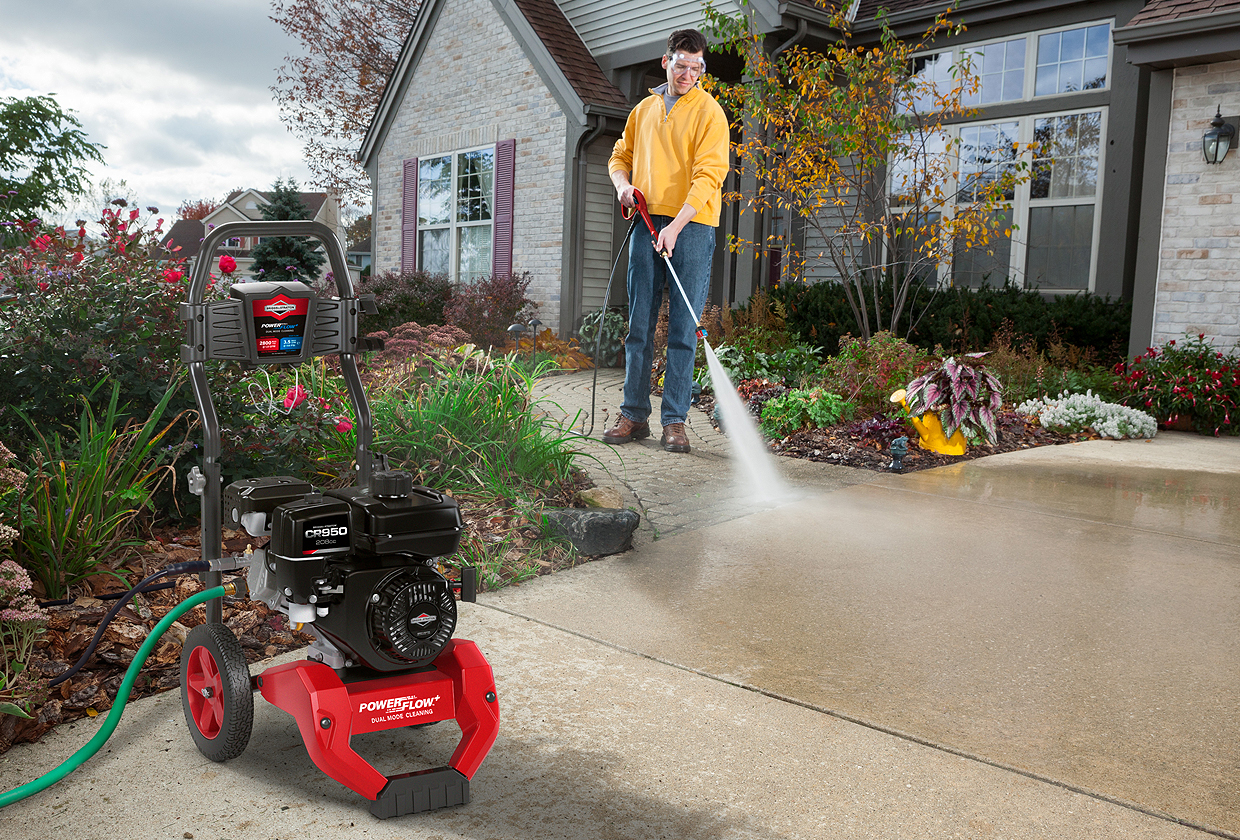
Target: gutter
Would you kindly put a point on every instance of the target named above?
(1162, 30)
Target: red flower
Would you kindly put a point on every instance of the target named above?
(42, 286)
(171, 275)
(227, 264)
(296, 395)
(343, 425)
(42, 243)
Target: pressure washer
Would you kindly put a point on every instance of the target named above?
(354, 567)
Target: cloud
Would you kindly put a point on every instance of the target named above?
(178, 93)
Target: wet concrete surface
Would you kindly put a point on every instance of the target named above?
(1070, 614)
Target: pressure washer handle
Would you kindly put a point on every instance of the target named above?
(639, 206)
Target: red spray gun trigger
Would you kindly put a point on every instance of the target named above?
(639, 206)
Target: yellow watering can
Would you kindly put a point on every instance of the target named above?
(930, 430)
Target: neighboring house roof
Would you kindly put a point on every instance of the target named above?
(1160, 11)
(187, 234)
(570, 53)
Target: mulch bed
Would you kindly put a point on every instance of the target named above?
(839, 445)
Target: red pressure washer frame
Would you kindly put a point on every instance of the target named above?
(328, 711)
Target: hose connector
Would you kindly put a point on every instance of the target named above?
(237, 587)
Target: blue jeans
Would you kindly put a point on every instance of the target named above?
(691, 259)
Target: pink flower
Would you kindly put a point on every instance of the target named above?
(343, 425)
(295, 397)
(227, 264)
(42, 243)
(172, 275)
(42, 286)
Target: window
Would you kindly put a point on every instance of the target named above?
(1000, 69)
(1054, 217)
(1073, 60)
(457, 213)
(455, 196)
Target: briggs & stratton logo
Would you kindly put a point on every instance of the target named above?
(422, 620)
(280, 307)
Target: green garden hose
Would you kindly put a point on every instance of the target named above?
(118, 706)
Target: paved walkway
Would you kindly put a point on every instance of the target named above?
(674, 492)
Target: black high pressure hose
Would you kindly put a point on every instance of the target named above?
(175, 569)
(598, 340)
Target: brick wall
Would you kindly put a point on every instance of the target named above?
(1199, 265)
(474, 86)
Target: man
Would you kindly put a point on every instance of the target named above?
(675, 146)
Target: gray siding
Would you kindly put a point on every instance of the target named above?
(610, 29)
(599, 209)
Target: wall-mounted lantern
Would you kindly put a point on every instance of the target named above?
(1218, 139)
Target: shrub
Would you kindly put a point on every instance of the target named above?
(1070, 414)
(411, 343)
(487, 308)
(1189, 378)
(801, 408)
(966, 319)
(84, 311)
(1028, 372)
(22, 621)
(405, 296)
(962, 393)
(792, 365)
(867, 372)
(615, 328)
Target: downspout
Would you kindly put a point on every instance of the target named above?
(569, 314)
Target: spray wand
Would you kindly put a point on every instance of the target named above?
(639, 206)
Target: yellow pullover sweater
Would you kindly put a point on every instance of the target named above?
(676, 158)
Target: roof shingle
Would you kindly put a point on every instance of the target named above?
(1162, 11)
(570, 53)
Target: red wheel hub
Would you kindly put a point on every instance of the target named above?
(205, 690)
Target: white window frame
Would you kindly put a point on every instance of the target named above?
(1031, 59)
(452, 225)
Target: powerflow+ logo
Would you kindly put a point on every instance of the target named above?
(401, 705)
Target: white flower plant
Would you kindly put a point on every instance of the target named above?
(1072, 413)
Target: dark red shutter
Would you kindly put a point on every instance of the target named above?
(409, 218)
(501, 219)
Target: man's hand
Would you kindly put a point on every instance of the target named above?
(625, 192)
(666, 242)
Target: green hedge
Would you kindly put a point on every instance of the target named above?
(967, 320)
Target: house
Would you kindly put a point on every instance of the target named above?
(511, 107)
(187, 234)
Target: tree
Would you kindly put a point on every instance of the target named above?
(286, 257)
(852, 142)
(328, 93)
(358, 232)
(43, 152)
(198, 208)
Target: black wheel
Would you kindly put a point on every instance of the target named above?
(215, 692)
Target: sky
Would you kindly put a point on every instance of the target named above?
(178, 91)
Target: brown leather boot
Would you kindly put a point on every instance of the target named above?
(674, 438)
(626, 430)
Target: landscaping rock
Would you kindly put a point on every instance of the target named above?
(601, 497)
(594, 531)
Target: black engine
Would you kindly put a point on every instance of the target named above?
(356, 564)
